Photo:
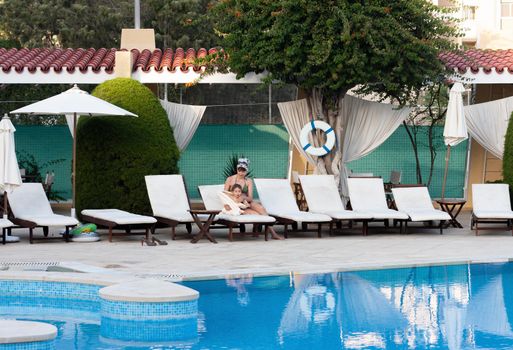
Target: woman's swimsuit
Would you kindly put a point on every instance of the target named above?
(244, 189)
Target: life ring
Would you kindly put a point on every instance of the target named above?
(83, 229)
(330, 138)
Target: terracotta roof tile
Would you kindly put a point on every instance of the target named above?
(95, 59)
(82, 60)
(488, 60)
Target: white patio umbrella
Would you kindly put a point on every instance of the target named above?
(10, 176)
(76, 102)
(455, 129)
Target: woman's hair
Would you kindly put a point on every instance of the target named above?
(236, 186)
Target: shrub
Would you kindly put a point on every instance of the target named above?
(507, 161)
(114, 153)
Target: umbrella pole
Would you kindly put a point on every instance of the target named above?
(447, 156)
(74, 161)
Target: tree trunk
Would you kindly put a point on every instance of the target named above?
(415, 147)
(330, 111)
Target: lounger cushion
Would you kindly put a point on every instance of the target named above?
(367, 194)
(177, 216)
(387, 214)
(493, 214)
(491, 201)
(29, 200)
(428, 215)
(5, 223)
(119, 217)
(416, 202)
(210, 196)
(347, 215)
(321, 193)
(276, 196)
(50, 220)
(249, 219)
(322, 196)
(302, 216)
(168, 197)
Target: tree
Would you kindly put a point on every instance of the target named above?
(180, 23)
(98, 23)
(326, 47)
(429, 107)
(65, 23)
(115, 153)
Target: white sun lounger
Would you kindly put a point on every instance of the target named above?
(5, 224)
(278, 199)
(416, 202)
(212, 201)
(169, 201)
(322, 196)
(30, 208)
(115, 218)
(367, 195)
(491, 205)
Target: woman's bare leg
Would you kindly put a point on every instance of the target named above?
(258, 208)
(274, 234)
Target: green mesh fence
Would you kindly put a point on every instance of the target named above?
(266, 146)
(48, 144)
(204, 160)
(396, 153)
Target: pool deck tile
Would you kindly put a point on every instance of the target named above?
(301, 253)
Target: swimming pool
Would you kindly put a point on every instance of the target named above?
(437, 307)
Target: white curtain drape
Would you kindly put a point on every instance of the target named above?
(184, 120)
(367, 125)
(364, 126)
(69, 121)
(295, 115)
(487, 123)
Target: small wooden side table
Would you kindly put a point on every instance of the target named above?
(453, 208)
(203, 225)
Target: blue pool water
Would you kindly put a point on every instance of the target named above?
(444, 307)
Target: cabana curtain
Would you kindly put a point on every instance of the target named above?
(487, 123)
(184, 120)
(364, 125)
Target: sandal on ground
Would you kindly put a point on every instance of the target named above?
(148, 241)
(159, 241)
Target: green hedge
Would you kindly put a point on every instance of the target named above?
(114, 153)
(507, 161)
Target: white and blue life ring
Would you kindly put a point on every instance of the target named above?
(330, 138)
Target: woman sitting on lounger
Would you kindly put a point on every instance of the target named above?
(238, 198)
(246, 185)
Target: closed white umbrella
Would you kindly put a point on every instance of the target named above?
(455, 129)
(76, 102)
(10, 176)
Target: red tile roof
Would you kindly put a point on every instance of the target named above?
(82, 59)
(498, 60)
